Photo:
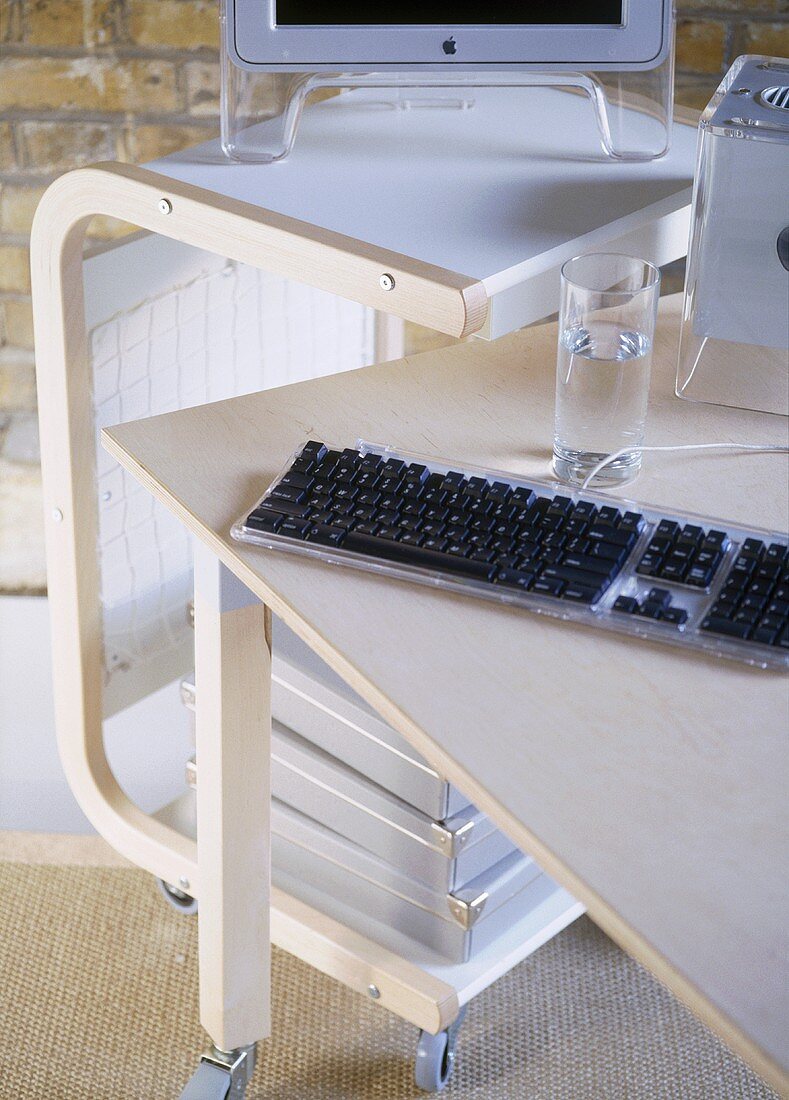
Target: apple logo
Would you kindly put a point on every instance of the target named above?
(449, 46)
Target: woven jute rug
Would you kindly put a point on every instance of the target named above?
(98, 1001)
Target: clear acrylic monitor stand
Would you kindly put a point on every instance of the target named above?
(260, 111)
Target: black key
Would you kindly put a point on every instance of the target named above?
(477, 487)
(765, 635)
(762, 587)
(667, 528)
(285, 507)
(514, 578)
(368, 479)
(749, 617)
(720, 610)
(781, 592)
(611, 535)
(752, 548)
(676, 615)
(416, 555)
(499, 491)
(393, 467)
(779, 608)
(343, 508)
(387, 517)
(294, 528)
(649, 566)
(608, 516)
(327, 536)
(458, 548)
(657, 545)
(366, 528)
(776, 551)
(391, 534)
(632, 521)
(577, 576)
(692, 533)
(296, 480)
(370, 463)
(753, 602)
(288, 492)
(674, 571)
(615, 554)
(579, 593)
(772, 622)
(660, 596)
(434, 513)
(712, 546)
(560, 506)
(303, 465)
(580, 545)
(267, 522)
(411, 538)
(584, 509)
(707, 558)
(783, 638)
(368, 498)
(481, 554)
(344, 471)
(314, 450)
(548, 587)
(769, 570)
(524, 497)
(725, 627)
(388, 484)
(575, 526)
(453, 480)
(435, 542)
(326, 516)
(434, 481)
(599, 566)
(650, 610)
(409, 523)
(626, 604)
(720, 538)
(743, 567)
(682, 551)
(554, 540)
(728, 599)
(434, 496)
(699, 576)
(416, 473)
(457, 533)
(344, 492)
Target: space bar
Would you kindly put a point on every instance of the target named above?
(415, 555)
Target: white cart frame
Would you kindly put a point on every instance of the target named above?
(228, 869)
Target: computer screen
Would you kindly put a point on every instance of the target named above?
(449, 13)
(367, 36)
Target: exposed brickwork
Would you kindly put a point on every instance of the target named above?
(87, 80)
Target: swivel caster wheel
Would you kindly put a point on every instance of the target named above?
(221, 1075)
(177, 899)
(435, 1057)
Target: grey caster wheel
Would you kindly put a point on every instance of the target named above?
(221, 1075)
(435, 1057)
(178, 899)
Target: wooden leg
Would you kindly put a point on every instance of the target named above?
(233, 710)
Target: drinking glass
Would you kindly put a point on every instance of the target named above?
(606, 329)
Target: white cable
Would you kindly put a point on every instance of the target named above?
(772, 447)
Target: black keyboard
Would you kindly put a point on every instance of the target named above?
(682, 579)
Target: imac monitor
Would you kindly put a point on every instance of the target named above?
(431, 35)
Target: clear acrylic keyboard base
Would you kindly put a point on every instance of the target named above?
(601, 615)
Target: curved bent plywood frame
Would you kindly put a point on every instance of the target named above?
(239, 231)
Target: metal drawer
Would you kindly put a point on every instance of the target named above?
(308, 858)
(445, 856)
(308, 697)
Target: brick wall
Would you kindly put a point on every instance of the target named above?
(86, 80)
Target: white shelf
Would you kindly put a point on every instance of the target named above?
(502, 192)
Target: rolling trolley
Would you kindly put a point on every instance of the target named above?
(120, 573)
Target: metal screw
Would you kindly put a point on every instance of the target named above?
(183, 882)
(741, 91)
(374, 992)
(387, 281)
(165, 206)
(57, 515)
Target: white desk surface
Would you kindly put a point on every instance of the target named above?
(503, 192)
(651, 782)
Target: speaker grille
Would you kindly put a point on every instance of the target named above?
(777, 96)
